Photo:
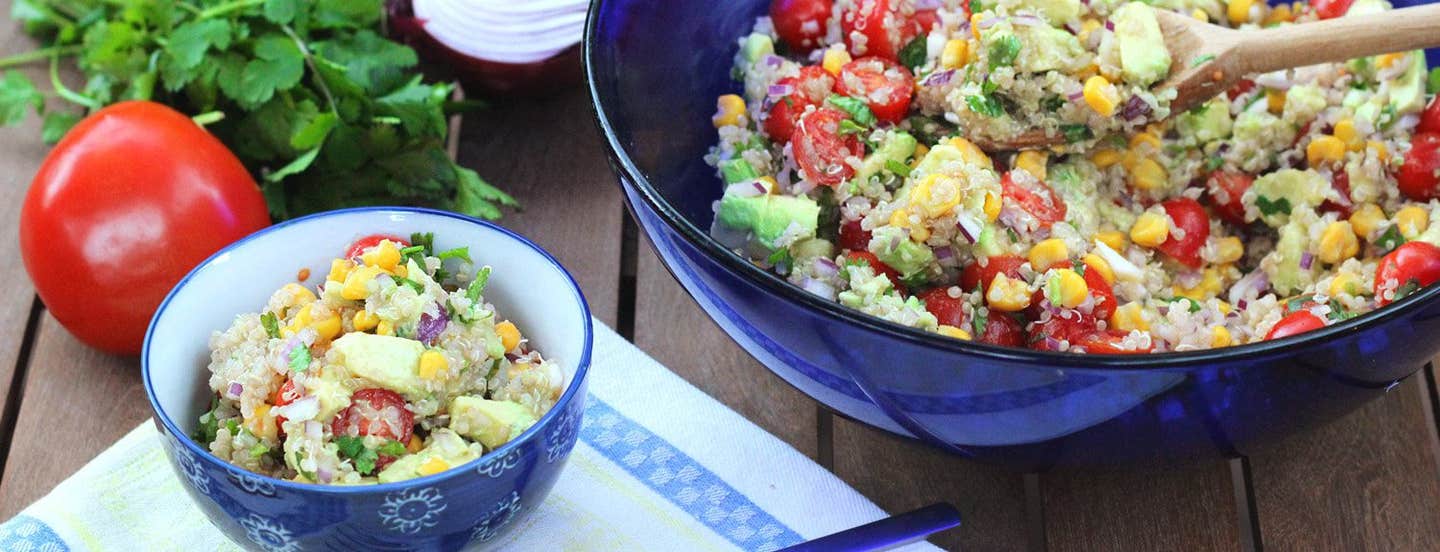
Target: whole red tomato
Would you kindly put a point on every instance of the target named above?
(133, 198)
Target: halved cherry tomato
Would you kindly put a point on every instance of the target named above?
(359, 246)
(800, 23)
(1225, 190)
(820, 149)
(1342, 206)
(1330, 9)
(1102, 292)
(810, 87)
(1430, 119)
(1110, 342)
(880, 268)
(1191, 219)
(1240, 88)
(1419, 177)
(377, 413)
(1038, 200)
(1295, 323)
(1002, 329)
(1409, 267)
(1069, 326)
(948, 310)
(874, 77)
(283, 396)
(869, 18)
(974, 275)
(853, 237)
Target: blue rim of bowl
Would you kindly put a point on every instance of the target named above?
(582, 367)
(1101, 362)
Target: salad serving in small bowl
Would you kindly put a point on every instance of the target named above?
(374, 378)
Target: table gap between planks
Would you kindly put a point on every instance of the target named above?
(1368, 481)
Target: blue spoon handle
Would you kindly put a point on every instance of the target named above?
(886, 533)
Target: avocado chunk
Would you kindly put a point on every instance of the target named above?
(1286, 276)
(444, 444)
(898, 147)
(1143, 57)
(1280, 192)
(1207, 123)
(756, 46)
(332, 394)
(894, 247)
(737, 170)
(988, 243)
(492, 423)
(1044, 48)
(1407, 93)
(390, 362)
(1055, 12)
(769, 216)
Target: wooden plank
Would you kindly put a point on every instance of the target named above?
(1189, 508)
(1369, 481)
(548, 154)
(901, 475)
(78, 401)
(672, 328)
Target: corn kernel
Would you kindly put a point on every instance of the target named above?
(301, 294)
(433, 466)
(1412, 221)
(1220, 337)
(1381, 152)
(1386, 60)
(1347, 283)
(1324, 149)
(1275, 101)
(1148, 175)
(509, 334)
(1150, 230)
(1345, 131)
(364, 321)
(1087, 26)
(992, 206)
(1033, 162)
(1239, 11)
(955, 54)
(1209, 286)
(328, 328)
(1142, 140)
(384, 256)
(971, 153)
(384, 328)
(729, 110)
(414, 445)
(298, 322)
(433, 365)
(834, 60)
(900, 218)
(1068, 287)
(937, 194)
(1100, 95)
(1200, 15)
(1338, 243)
(953, 332)
(1007, 294)
(1115, 239)
(920, 151)
(262, 424)
(1366, 220)
(357, 283)
(1104, 159)
(1048, 252)
(1224, 307)
(1099, 265)
(339, 269)
(1229, 249)
(919, 233)
(1129, 317)
(1279, 14)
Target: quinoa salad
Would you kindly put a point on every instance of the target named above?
(394, 367)
(1295, 200)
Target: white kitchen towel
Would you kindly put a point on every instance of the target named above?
(659, 466)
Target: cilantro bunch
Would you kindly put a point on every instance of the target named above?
(321, 107)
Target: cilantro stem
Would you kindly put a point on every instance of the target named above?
(209, 117)
(226, 8)
(66, 93)
(310, 62)
(40, 55)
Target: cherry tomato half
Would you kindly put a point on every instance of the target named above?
(1240, 88)
(1419, 177)
(125, 205)
(874, 77)
(885, 29)
(880, 268)
(1038, 200)
(974, 275)
(359, 246)
(948, 310)
(1102, 292)
(1295, 323)
(810, 87)
(1071, 327)
(377, 413)
(800, 23)
(1409, 267)
(1330, 9)
(1225, 190)
(820, 149)
(1002, 329)
(1430, 119)
(283, 396)
(1342, 206)
(853, 237)
(1190, 218)
(1110, 342)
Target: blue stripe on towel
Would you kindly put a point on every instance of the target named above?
(680, 479)
(26, 533)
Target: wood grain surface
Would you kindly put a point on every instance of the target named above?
(1183, 508)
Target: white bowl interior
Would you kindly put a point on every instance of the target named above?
(526, 287)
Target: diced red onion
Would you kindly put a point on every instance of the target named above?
(942, 252)
(776, 91)
(1109, 25)
(430, 327)
(1163, 309)
(1053, 344)
(987, 23)
(1240, 306)
(965, 28)
(1407, 122)
(304, 408)
(324, 475)
(234, 391)
(1306, 259)
(826, 268)
(927, 4)
(1073, 27)
(1025, 20)
(940, 79)
(774, 60)
(969, 227)
(1135, 108)
(1076, 95)
(817, 287)
(745, 189)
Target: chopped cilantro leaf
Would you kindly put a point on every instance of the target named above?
(1052, 103)
(354, 449)
(260, 449)
(477, 287)
(1193, 305)
(412, 249)
(1390, 240)
(299, 358)
(423, 240)
(851, 127)
(897, 167)
(392, 448)
(1202, 60)
(1339, 312)
(1410, 286)
(781, 260)
(209, 425)
(1076, 133)
(856, 108)
(984, 105)
(913, 54)
(462, 253)
(1297, 303)
(271, 325)
(976, 6)
(980, 322)
(417, 286)
(1004, 50)
(1214, 162)
(1272, 207)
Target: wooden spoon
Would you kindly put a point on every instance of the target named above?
(1207, 59)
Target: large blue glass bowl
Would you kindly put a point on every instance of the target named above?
(654, 69)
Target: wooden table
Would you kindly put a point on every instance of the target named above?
(1369, 481)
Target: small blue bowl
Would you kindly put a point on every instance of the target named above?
(468, 504)
(654, 69)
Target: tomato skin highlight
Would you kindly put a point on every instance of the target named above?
(363, 416)
(863, 77)
(359, 246)
(1416, 261)
(800, 23)
(1330, 9)
(1103, 293)
(1040, 201)
(821, 151)
(867, 17)
(1418, 178)
(123, 207)
(1232, 186)
(1295, 323)
(1190, 217)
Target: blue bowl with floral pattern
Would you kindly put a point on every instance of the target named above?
(471, 504)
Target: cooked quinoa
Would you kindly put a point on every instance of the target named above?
(394, 367)
(1265, 212)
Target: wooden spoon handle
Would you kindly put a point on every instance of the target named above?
(1340, 39)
